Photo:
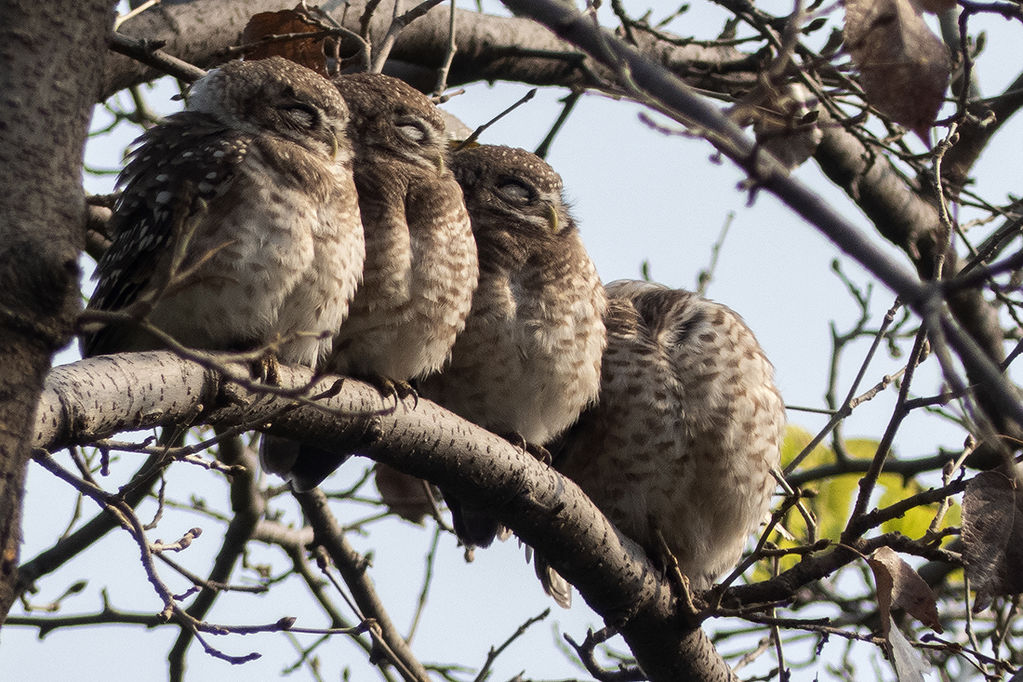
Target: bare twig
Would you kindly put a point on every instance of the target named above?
(431, 556)
(494, 652)
(152, 55)
(479, 131)
(586, 653)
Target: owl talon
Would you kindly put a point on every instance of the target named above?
(407, 390)
(517, 440)
(269, 370)
(674, 573)
(541, 453)
(537, 451)
(396, 389)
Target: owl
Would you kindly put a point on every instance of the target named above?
(421, 266)
(238, 224)
(686, 432)
(528, 361)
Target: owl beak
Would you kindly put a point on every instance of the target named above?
(552, 217)
(439, 163)
(334, 146)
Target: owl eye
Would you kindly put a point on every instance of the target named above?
(413, 130)
(300, 115)
(515, 192)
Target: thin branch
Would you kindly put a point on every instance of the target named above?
(479, 131)
(445, 67)
(330, 535)
(494, 652)
(398, 24)
(569, 105)
(151, 54)
(431, 557)
(247, 505)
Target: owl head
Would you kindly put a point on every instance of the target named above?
(510, 187)
(274, 95)
(391, 119)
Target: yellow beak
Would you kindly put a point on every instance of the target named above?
(552, 217)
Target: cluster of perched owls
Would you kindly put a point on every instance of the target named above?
(331, 221)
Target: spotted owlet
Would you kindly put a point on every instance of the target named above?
(421, 266)
(686, 431)
(238, 225)
(528, 361)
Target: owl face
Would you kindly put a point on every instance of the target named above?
(392, 119)
(274, 95)
(509, 186)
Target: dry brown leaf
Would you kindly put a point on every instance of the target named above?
(306, 51)
(993, 537)
(404, 495)
(904, 68)
(901, 587)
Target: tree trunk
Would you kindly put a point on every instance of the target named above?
(46, 99)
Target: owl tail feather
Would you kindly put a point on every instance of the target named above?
(304, 466)
(553, 584)
(474, 526)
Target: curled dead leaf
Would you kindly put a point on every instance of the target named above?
(901, 587)
(993, 537)
(904, 68)
(263, 30)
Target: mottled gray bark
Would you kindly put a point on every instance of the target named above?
(46, 99)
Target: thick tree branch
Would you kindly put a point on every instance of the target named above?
(488, 47)
(95, 398)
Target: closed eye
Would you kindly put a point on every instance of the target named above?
(413, 130)
(515, 192)
(300, 116)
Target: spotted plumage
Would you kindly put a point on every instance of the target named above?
(421, 266)
(686, 431)
(528, 361)
(238, 225)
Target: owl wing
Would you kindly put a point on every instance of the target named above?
(176, 169)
